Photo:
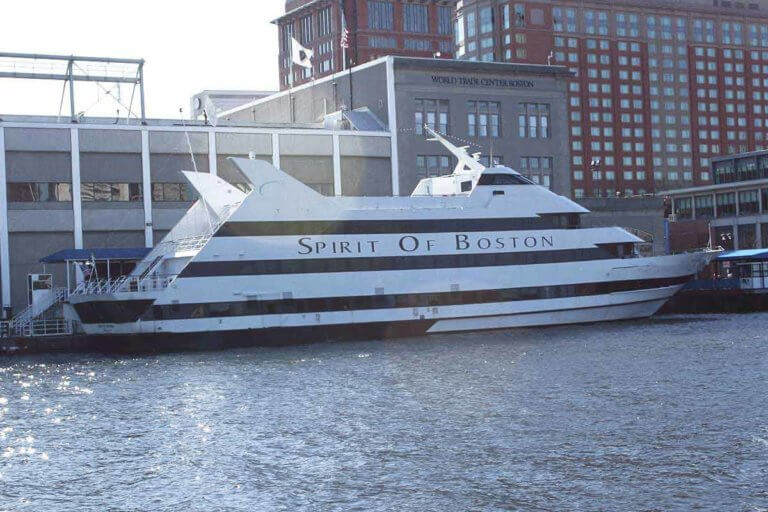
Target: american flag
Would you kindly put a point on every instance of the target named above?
(344, 38)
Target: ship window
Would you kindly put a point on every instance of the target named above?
(466, 186)
(503, 179)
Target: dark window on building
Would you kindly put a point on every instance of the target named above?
(418, 45)
(762, 163)
(746, 169)
(382, 42)
(534, 121)
(287, 34)
(432, 112)
(683, 208)
(324, 22)
(38, 192)
(380, 15)
(747, 236)
(538, 169)
(172, 192)
(445, 20)
(725, 172)
(110, 192)
(705, 209)
(428, 166)
(487, 162)
(726, 204)
(306, 30)
(764, 234)
(415, 18)
(484, 119)
(519, 15)
(748, 202)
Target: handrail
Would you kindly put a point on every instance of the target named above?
(125, 284)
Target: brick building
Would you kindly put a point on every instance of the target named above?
(661, 87)
(376, 28)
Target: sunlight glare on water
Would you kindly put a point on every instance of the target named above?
(664, 414)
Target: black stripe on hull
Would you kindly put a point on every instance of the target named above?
(404, 300)
(389, 227)
(219, 340)
(111, 311)
(364, 264)
(278, 336)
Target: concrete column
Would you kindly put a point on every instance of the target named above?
(212, 162)
(276, 150)
(146, 189)
(392, 121)
(77, 204)
(336, 165)
(5, 253)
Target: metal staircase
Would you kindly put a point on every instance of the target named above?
(29, 322)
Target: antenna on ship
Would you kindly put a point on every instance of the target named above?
(466, 161)
(194, 166)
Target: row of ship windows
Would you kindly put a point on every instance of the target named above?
(102, 192)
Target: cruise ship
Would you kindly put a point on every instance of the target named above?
(481, 248)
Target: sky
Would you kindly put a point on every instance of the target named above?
(188, 46)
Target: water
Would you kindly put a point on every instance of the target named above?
(664, 414)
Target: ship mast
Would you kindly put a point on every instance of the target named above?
(466, 162)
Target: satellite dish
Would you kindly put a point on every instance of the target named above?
(198, 103)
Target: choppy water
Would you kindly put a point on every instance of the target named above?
(667, 414)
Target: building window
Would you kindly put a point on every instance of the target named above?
(726, 204)
(380, 15)
(382, 42)
(415, 18)
(444, 20)
(110, 191)
(418, 45)
(305, 24)
(428, 166)
(537, 169)
(484, 118)
(564, 19)
(705, 209)
(39, 192)
(433, 113)
(519, 15)
(486, 20)
(534, 121)
(683, 208)
(172, 192)
(748, 202)
(324, 22)
(287, 33)
(747, 236)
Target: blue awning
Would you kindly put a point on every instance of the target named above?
(744, 255)
(125, 254)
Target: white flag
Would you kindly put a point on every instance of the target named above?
(300, 55)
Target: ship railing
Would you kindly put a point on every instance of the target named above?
(124, 284)
(31, 312)
(47, 327)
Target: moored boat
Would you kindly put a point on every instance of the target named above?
(481, 248)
